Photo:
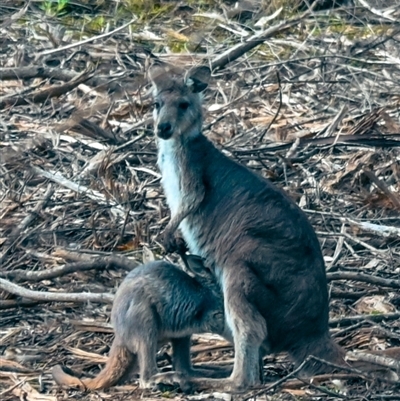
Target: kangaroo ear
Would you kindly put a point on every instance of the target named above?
(157, 74)
(197, 78)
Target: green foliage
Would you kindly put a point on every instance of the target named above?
(54, 8)
(146, 9)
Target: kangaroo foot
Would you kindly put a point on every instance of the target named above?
(164, 381)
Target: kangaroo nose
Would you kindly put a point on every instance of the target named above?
(164, 130)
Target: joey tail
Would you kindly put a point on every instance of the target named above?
(119, 362)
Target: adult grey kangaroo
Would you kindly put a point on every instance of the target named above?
(156, 303)
(259, 243)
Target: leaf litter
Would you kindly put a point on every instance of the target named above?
(310, 101)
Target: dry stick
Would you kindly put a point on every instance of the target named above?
(278, 382)
(394, 198)
(82, 42)
(33, 214)
(98, 264)
(20, 303)
(365, 278)
(277, 112)
(41, 96)
(357, 372)
(241, 48)
(28, 220)
(374, 359)
(345, 321)
(352, 294)
(377, 12)
(10, 20)
(55, 297)
(97, 196)
(52, 73)
(391, 140)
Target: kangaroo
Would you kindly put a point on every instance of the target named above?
(157, 302)
(260, 245)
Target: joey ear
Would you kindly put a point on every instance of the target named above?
(195, 263)
(197, 78)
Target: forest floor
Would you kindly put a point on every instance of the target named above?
(308, 99)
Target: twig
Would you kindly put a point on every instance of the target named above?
(82, 42)
(19, 303)
(236, 51)
(33, 214)
(278, 77)
(374, 359)
(10, 20)
(365, 278)
(278, 382)
(27, 221)
(382, 187)
(91, 194)
(342, 140)
(98, 264)
(41, 96)
(53, 73)
(384, 231)
(345, 321)
(55, 297)
(377, 12)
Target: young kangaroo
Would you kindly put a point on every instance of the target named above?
(259, 243)
(156, 303)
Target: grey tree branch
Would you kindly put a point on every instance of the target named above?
(98, 264)
(54, 296)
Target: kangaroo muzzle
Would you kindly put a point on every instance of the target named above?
(164, 130)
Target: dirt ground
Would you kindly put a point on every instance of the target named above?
(309, 100)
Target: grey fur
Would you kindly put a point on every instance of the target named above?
(157, 303)
(259, 243)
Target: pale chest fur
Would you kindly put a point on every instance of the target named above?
(168, 164)
(170, 172)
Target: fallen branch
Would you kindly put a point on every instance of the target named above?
(18, 303)
(88, 40)
(53, 296)
(94, 264)
(41, 96)
(374, 359)
(365, 278)
(96, 196)
(345, 321)
(59, 74)
(11, 366)
(241, 48)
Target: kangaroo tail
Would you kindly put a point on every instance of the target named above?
(119, 362)
(323, 348)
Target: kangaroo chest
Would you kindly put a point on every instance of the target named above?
(168, 163)
(171, 175)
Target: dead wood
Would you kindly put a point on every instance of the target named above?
(240, 49)
(364, 278)
(41, 96)
(54, 297)
(101, 263)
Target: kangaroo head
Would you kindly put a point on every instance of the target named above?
(177, 100)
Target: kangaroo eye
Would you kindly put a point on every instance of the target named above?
(184, 105)
(156, 105)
